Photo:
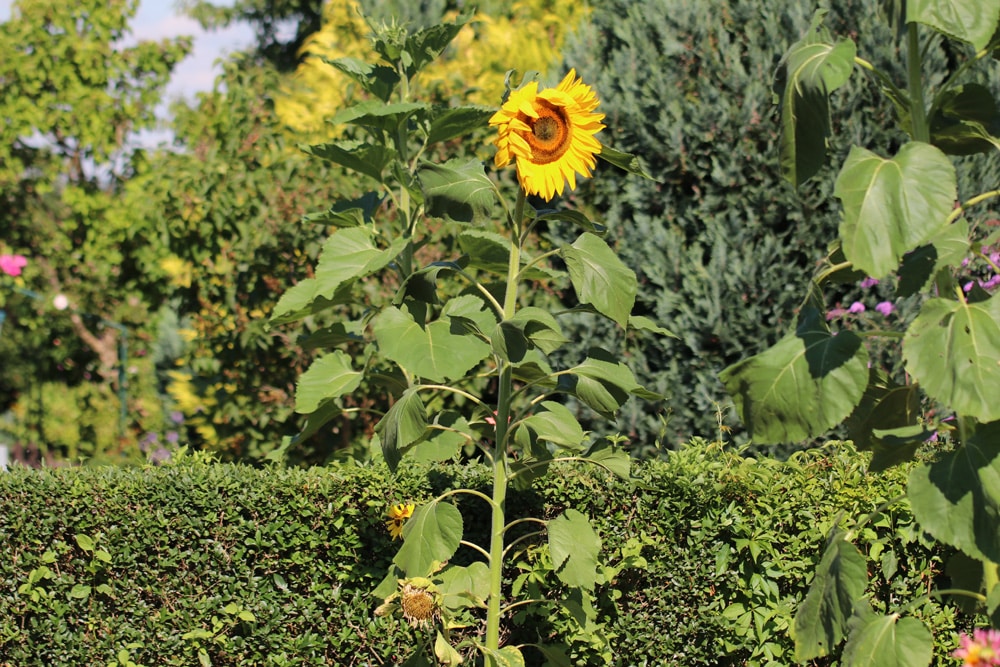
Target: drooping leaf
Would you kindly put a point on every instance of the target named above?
(303, 299)
(957, 499)
(886, 641)
(965, 120)
(368, 159)
(625, 161)
(643, 323)
(556, 424)
(432, 351)
(401, 426)
(813, 67)
(453, 122)
(509, 342)
(600, 278)
(574, 217)
(804, 385)
(893, 206)
(612, 458)
(464, 586)
(458, 190)
(430, 536)
(574, 547)
(379, 80)
(972, 21)
(445, 652)
(329, 376)
(822, 619)
(953, 350)
(541, 328)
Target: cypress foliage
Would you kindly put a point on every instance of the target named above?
(722, 245)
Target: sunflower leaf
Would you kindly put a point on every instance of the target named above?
(600, 278)
(626, 161)
(458, 190)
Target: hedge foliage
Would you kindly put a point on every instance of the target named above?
(222, 564)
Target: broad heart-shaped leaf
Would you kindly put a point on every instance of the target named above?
(430, 536)
(445, 438)
(303, 300)
(486, 250)
(886, 641)
(377, 114)
(893, 206)
(600, 278)
(347, 254)
(432, 351)
(964, 120)
(822, 618)
(556, 424)
(458, 190)
(946, 248)
(972, 21)
(574, 547)
(804, 385)
(368, 159)
(813, 68)
(957, 499)
(603, 383)
(541, 328)
(464, 586)
(952, 348)
(329, 376)
(404, 424)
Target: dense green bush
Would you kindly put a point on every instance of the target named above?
(716, 240)
(240, 566)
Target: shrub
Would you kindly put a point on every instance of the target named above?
(688, 90)
(709, 554)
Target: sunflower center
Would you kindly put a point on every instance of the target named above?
(550, 133)
(418, 605)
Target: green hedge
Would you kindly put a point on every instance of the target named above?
(230, 565)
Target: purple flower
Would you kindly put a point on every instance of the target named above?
(968, 286)
(856, 307)
(992, 282)
(172, 437)
(177, 417)
(868, 283)
(12, 264)
(884, 307)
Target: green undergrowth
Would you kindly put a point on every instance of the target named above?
(200, 563)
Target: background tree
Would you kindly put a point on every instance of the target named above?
(72, 97)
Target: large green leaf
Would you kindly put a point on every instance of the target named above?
(964, 120)
(541, 328)
(957, 499)
(600, 278)
(508, 656)
(813, 68)
(822, 619)
(458, 190)
(453, 122)
(555, 423)
(574, 547)
(953, 350)
(972, 21)
(464, 586)
(945, 248)
(804, 385)
(893, 206)
(404, 424)
(425, 45)
(368, 159)
(377, 114)
(886, 641)
(379, 80)
(431, 351)
(487, 250)
(329, 376)
(347, 254)
(431, 536)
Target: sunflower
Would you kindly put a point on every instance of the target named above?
(398, 514)
(550, 135)
(418, 598)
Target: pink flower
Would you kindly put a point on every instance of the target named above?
(868, 283)
(12, 264)
(856, 307)
(884, 307)
(980, 650)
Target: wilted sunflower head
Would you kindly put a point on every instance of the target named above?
(549, 134)
(418, 598)
(398, 514)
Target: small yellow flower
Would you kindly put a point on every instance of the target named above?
(549, 134)
(398, 514)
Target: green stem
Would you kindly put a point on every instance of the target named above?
(918, 111)
(500, 472)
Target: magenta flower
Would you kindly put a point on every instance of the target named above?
(980, 650)
(856, 307)
(12, 264)
(884, 307)
(868, 283)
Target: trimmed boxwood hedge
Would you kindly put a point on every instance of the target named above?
(206, 563)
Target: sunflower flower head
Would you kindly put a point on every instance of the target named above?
(398, 514)
(419, 600)
(549, 134)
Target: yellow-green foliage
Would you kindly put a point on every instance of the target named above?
(524, 35)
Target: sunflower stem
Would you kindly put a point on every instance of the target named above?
(500, 472)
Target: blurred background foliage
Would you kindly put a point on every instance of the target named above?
(189, 246)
